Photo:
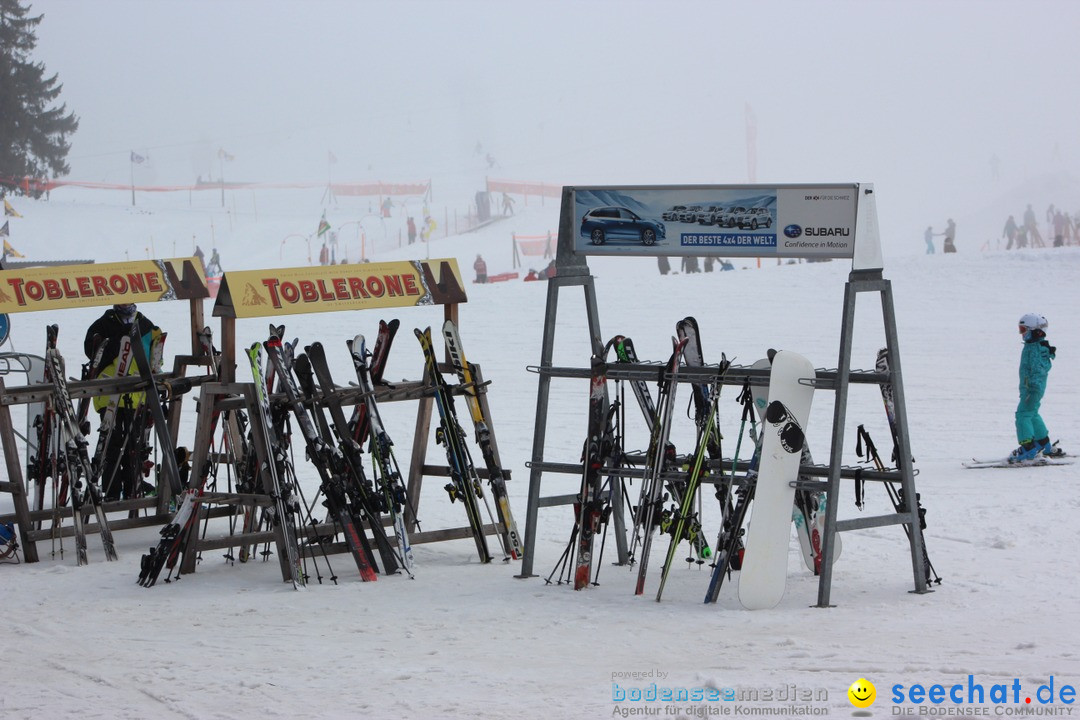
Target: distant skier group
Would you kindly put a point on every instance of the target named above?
(948, 245)
(1063, 228)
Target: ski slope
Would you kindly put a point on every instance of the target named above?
(464, 640)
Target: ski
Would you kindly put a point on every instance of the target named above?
(176, 533)
(285, 505)
(704, 407)
(625, 353)
(365, 499)
(329, 462)
(730, 545)
(374, 366)
(763, 577)
(45, 457)
(496, 476)
(683, 521)
(379, 353)
(464, 484)
(1037, 461)
(157, 411)
(84, 491)
(896, 495)
(597, 448)
(395, 497)
(659, 453)
(729, 542)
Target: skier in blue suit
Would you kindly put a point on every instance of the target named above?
(1035, 362)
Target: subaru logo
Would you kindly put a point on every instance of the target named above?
(793, 231)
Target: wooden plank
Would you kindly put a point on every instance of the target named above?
(17, 485)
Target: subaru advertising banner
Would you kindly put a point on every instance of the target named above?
(791, 221)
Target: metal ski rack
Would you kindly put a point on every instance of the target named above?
(856, 207)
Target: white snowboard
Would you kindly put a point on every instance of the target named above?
(809, 531)
(763, 577)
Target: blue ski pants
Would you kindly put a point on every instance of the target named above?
(1029, 424)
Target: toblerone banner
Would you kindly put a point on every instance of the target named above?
(363, 286)
(75, 286)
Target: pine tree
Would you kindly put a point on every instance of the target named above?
(35, 129)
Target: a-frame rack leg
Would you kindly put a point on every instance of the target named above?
(15, 484)
(212, 393)
(869, 281)
(418, 469)
(565, 277)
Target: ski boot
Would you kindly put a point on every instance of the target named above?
(1050, 449)
(1025, 453)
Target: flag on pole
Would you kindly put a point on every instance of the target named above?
(137, 158)
(324, 227)
(4, 230)
(330, 158)
(224, 155)
(8, 250)
(9, 211)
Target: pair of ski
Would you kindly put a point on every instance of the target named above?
(85, 474)
(48, 459)
(1037, 461)
(186, 493)
(368, 503)
(597, 455)
(351, 498)
(464, 485)
(149, 414)
(683, 521)
(369, 368)
(84, 490)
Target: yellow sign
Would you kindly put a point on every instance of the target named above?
(293, 291)
(71, 286)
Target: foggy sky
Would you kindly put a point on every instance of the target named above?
(917, 97)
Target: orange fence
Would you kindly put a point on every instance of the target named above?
(515, 187)
(41, 185)
(538, 245)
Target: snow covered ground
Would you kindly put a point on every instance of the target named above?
(463, 640)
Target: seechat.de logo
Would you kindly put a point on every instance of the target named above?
(793, 231)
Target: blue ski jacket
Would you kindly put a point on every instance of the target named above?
(1035, 362)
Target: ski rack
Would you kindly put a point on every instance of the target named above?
(143, 282)
(864, 249)
(443, 285)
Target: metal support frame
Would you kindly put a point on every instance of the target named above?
(570, 270)
(866, 276)
(869, 281)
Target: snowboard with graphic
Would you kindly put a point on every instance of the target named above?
(763, 578)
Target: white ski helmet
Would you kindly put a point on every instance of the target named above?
(1033, 321)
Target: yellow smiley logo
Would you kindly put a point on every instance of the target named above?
(862, 693)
